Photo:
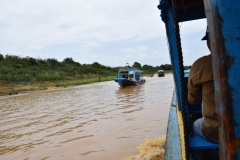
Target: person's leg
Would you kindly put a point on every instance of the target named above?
(205, 154)
(197, 127)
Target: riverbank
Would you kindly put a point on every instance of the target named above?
(9, 88)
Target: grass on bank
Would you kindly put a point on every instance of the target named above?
(7, 88)
(83, 81)
(10, 88)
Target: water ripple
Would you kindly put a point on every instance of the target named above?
(95, 120)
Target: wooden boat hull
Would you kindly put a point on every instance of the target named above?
(130, 83)
(125, 82)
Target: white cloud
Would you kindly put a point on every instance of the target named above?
(192, 26)
(128, 50)
(145, 53)
(31, 25)
(142, 49)
(43, 28)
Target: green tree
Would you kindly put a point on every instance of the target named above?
(187, 67)
(166, 67)
(97, 65)
(53, 62)
(1, 57)
(147, 67)
(136, 65)
(68, 60)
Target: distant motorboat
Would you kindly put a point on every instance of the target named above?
(129, 77)
(160, 73)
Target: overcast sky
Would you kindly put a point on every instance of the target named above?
(111, 32)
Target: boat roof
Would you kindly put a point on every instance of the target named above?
(130, 69)
(188, 9)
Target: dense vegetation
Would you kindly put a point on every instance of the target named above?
(148, 69)
(17, 69)
(42, 73)
(151, 70)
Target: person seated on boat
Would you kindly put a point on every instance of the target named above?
(124, 76)
(137, 77)
(201, 88)
(130, 76)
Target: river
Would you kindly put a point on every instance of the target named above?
(95, 121)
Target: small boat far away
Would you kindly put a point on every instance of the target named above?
(160, 73)
(129, 77)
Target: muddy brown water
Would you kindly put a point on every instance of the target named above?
(96, 121)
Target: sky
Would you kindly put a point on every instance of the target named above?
(110, 32)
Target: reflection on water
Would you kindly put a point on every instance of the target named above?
(97, 120)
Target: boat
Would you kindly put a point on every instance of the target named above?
(160, 73)
(224, 33)
(129, 77)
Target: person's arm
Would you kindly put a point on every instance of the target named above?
(194, 88)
